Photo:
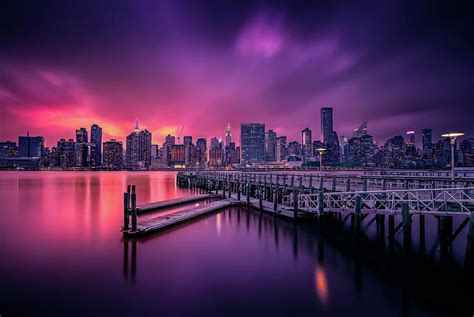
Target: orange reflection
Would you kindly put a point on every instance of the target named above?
(218, 224)
(322, 289)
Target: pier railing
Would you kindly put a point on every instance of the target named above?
(451, 201)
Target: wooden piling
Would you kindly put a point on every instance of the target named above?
(134, 209)
(126, 216)
(406, 223)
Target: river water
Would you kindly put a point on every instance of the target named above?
(62, 253)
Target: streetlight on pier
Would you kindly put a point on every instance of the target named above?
(320, 151)
(452, 139)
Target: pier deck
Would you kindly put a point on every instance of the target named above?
(163, 222)
(173, 202)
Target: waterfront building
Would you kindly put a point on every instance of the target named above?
(154, 151)
(30, 146)
(411, 137)
(66, 151)
(177, 155)
(96, 146)
(427, 141)
(113, 154)
(8, 149)
(216, 153)
(252, 142)
(326, 124)
(228, 136)
(307, 145)
(82, 148)
(138, 149)
(201, 152)
(294, 148)
(270, 146)
(467, 150)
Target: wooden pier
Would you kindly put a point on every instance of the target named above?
(173, 203)
(163, 222)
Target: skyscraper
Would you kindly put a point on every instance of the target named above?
(113, 150)
(228, 136)
(306, 144)
(30, 146)
(201, 152)
(138, 149)
(82, 149)
(427, 140)
(270, 146)
(252, 139)
(411, 137)
(326, 124)
(96, 145)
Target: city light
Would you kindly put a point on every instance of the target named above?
(452, 138)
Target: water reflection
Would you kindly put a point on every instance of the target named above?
(322, 288)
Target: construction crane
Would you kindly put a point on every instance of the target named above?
(179, 135)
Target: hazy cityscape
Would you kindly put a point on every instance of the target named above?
(259, 147)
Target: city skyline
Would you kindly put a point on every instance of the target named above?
(171, 65)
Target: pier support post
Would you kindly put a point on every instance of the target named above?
(364, 188)
(238, 190)
(134, 209)
(295, 204)
(260, 197)
(333, 184)
(391, 228)
(406, 222)
(348, 186)
(275, 199)
(384, 184)
(358, 213)
(445, 224)
(126, 216)
(248, 193)
(320, 202)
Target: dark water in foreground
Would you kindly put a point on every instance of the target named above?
(62, 253)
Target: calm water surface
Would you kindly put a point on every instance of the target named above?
(62, 253)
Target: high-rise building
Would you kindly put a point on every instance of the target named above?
(138, 149)
(66, 153)
(201, 152)
(8, 149)
(306, 145)
(360, 130)
(96, 145)
(270, 146)
(252, 139)
(154, 151)
(326, 124)
(187, 140)
(113, 153)
(216, 153)
(427, 139)
(30, 146)
(228, 136)
(411, 137)
(82, 148)
(177, 155)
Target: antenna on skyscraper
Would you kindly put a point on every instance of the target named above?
(136, 124)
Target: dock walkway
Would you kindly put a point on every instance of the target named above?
(173, 202)
(163, 222)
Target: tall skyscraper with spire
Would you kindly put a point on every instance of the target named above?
(228, 136)
(138, 148)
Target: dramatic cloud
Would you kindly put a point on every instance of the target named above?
(398, 65)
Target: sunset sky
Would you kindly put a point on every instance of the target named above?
(202, 64)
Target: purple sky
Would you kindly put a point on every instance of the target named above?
(399, 65)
